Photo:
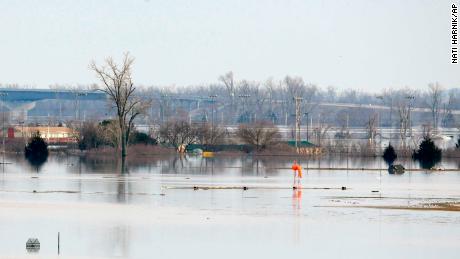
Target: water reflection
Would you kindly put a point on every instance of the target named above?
(110, 213)
(296, 199)
(428, 163)
(33, 250)
(234, 165)
(36, 162)
(120, 240)
(122, 166)
(296, 207)
(123, 185)
(36, 151)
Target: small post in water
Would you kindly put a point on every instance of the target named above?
(58, 242)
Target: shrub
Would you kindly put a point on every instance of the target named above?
(389, 155)
(93, 135)
(142, 138)
(36, 151)
(89, 136)
(428, 153)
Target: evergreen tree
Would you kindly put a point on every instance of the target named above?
(428, 153)
(389, 155)
(36, 150)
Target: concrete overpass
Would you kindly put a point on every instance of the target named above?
(33, 95)
(19, 101)
(377, 107)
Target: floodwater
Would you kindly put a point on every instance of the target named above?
(152, 211)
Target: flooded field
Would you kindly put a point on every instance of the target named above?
(154, 211)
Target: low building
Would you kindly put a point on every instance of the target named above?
(305, 147)
(49, 133)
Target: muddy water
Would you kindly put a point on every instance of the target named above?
(153, 210)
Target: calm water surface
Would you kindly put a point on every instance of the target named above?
(152, 210)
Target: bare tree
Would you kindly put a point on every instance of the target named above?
(165, 102)
(110, 133)
(342, 118)
(434, 102)
(179, 133)
(387, 100)
(371, 128)
(118, 85)
(230, 85)
(259, 134)
(426, 130)
(448, 119)
(296, 88)
(331, 93)
(211, 134)
(270, 87)
(403, 112)
(320, 133)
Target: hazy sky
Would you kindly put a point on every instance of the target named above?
(362, 44)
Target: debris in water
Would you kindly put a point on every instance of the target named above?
(32, 244)
(396, 169)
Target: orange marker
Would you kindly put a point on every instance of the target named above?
(297, 172)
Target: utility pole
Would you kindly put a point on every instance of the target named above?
(380, 120)
(213, 97)
(58, 97)
(391, 120)
(22, 130)
(298, 101)
(164, 106)
(76, 106)
(77, 112)
(410, 98)
(306, 114)
(3, 95)
(348, 135)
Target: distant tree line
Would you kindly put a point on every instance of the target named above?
(199, 114)
(233, 101)
(106, 134)
(174, 133)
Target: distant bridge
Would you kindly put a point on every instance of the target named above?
(33, 95)
(378, 107)
(19, 101)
